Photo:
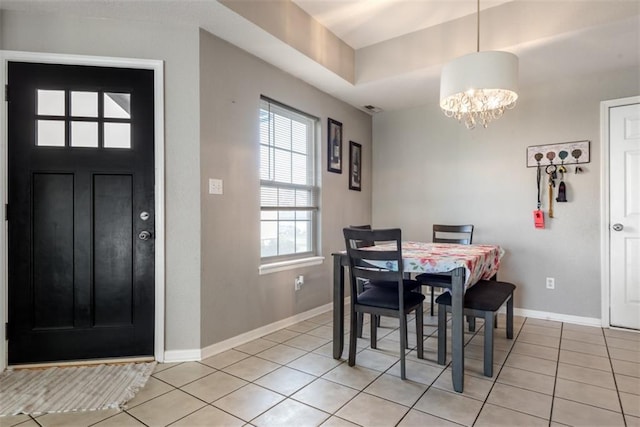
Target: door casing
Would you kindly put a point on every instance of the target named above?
(158, 68)
(605, 245)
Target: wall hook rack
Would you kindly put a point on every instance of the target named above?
(561, 154)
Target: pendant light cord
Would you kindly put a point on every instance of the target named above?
(478, 29)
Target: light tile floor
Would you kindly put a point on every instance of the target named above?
(550, 374)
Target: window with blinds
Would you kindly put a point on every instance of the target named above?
(288, 189)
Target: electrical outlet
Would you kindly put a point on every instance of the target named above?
(215, 186)
(551, 283)
(298, 282)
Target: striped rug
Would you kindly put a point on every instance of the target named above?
(79, 388)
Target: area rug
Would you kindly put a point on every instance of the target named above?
(67, 389)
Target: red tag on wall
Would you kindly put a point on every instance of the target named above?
(538, 218)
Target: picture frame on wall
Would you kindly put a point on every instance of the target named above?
(355, 166)
(334, 146)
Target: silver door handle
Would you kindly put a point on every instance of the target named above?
(617, 227)
(144, 235)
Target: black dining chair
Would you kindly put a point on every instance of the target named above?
(363, 283)
(459, 234)
(483, 300)
(411, 285)
(387, 294)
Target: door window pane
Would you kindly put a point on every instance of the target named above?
(117, 135)
(84, 104)
(50, 102)
(50, 133)
(117, 105)
(84, 134)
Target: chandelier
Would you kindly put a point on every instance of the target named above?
(477, 88)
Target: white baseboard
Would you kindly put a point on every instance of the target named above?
(262, 331)
(175, 356)
(579, 320)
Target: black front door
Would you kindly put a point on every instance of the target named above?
(80, 213)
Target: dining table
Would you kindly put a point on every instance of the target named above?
(465, 264)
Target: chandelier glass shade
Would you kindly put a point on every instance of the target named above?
(479, 87)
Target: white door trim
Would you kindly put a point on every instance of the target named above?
(605, 244)
(158, 67)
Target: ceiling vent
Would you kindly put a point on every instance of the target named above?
(372, 109)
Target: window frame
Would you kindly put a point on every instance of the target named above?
(288, 260)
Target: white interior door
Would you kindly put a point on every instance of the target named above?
(624, 181)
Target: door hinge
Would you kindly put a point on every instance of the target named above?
(6, 211)
(6, 331)
(6, 93)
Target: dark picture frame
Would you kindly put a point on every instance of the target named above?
(334, 146)
(355, 166)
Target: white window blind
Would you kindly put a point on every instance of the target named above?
(288, 189)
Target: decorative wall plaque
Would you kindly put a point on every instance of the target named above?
(565, 153)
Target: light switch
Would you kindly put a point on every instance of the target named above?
(215, 186)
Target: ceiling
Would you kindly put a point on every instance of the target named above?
(399, 46)
(362, 23)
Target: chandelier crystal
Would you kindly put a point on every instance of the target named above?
(477, 88)
(478, 107)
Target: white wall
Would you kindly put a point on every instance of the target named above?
(429, 169)
(178, 47)
(235, 299)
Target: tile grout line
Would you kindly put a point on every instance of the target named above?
(526, 370)
(317, 377)
(564, 332)
(615, 380)
(179, 388)
(516, 386)
(493, 384)
(592, 385)
(555, 377)
(380, 373)
(378, 338)
(359, 392)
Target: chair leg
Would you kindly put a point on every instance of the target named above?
(488, 343)
(360, 324)
(361, 321)
(403, 344)
(374, 332)
(359, 289)
(510, 317)
(420, 332)
(353, 338)
(442, 334)
(406, 334)
(472, 323)
(432, 300)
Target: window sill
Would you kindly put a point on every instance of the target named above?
(290, 265)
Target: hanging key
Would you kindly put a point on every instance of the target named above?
(551, 171)
(551, 185)
(562, 169)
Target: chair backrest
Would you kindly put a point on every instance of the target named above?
(363, 243)
(374, 265)
(460, 234)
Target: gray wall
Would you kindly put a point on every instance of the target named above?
(429, 169)
(235, 298)
(212, 89)
(177, 46)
